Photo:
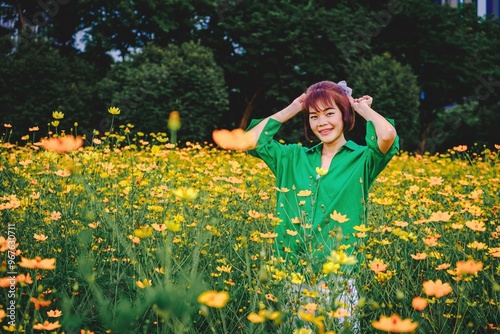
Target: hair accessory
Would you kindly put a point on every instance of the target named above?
(343, 85)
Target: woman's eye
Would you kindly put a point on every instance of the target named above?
(313, 117)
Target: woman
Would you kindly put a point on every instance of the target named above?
(323, 190)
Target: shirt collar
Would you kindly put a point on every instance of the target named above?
(348, 145)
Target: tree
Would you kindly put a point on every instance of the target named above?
(447, 50)
(394, 90)
(158, 80)
(37, 80)
(272, 51)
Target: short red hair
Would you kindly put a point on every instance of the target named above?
(327, 93)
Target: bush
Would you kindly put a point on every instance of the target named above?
(159, 80)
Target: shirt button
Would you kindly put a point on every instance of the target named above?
(373, 137)
(266, 133)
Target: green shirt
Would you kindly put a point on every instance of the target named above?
(306, 208)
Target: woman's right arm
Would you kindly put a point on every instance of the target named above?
(281, 116)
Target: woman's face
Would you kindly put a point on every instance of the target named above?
(326, 122)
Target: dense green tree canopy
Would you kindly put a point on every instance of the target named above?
(270, 51)
(160, 80)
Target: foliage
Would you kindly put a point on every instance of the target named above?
(451, 51)
(395, 93)
(138, 233)
(36, 80)
(158, 80)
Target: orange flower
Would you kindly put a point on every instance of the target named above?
(40, 302)
(437, 288)
(378, 266)
(443, 266)
(159, 227)
(38, 263)
(47, 326)
(304, 193)
(439, 217)
(340, 313)
(63, 144)
(213, 298)
(55, 215)
(395, 324)
(476, 225)
(419, 303)
(460, 148)
(2, 314)
(469, 267)
(494, 251)
(419, 256)
(21, 278)
(434, 181)
(54, 313)
(236, 139)
(40, 237)
(431, 240)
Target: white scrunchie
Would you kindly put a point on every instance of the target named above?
(347, 90)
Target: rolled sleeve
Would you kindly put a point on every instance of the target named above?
(378, 160)
(268, 149)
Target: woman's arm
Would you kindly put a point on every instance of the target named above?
(386, 133)
(281, 116)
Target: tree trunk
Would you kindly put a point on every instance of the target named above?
(22, 21)
(249, 109)
(423, 137)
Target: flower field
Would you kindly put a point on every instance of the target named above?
(131, 234)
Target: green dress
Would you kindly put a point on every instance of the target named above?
(319, 212)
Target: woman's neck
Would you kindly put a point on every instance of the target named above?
(330, 149)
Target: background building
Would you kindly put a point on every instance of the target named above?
(484, 7)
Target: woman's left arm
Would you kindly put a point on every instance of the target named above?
(386, 133)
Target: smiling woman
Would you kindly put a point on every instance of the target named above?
(350, 169)
(330, 181)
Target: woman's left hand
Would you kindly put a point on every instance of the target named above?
(361, 101)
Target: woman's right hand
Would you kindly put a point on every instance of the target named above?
(298, 104)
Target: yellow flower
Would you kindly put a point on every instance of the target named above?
(144, 283)
(362, 228)
(330, 268)
(214, 299)
(320, 171)
(143, 232)
(114, 111)
(341, 258)
(187, 194)
(337, 216)
(318, 321)
(55, 123)
(297, 278)
(57, 115)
